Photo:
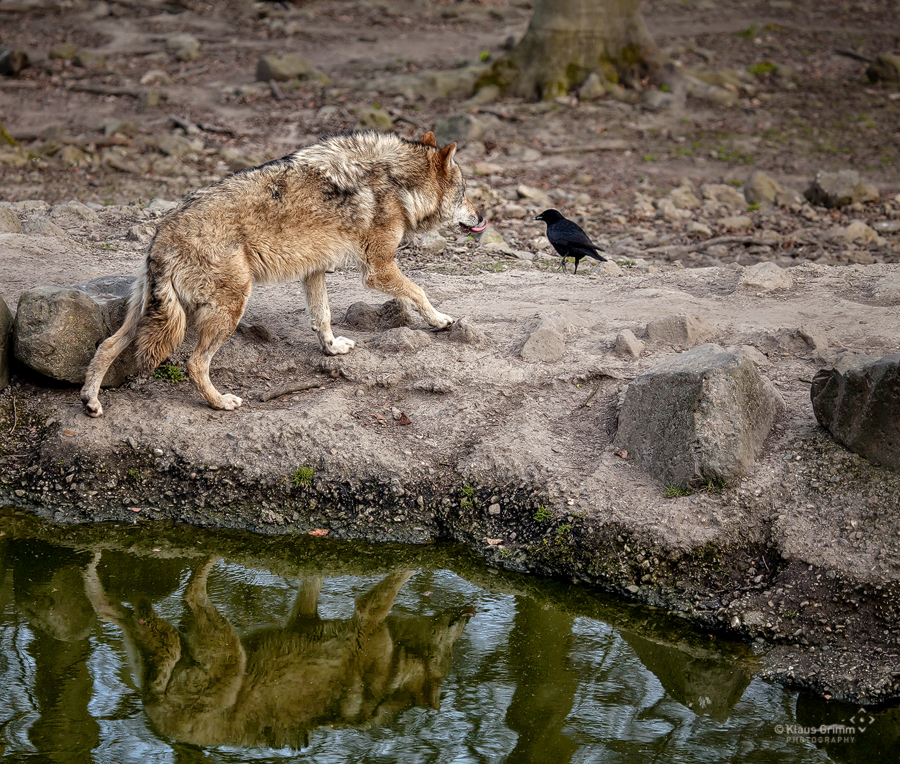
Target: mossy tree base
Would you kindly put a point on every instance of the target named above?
(567, 40)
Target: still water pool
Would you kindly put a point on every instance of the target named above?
(165, 643)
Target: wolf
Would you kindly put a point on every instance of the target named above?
(203, 684)
(347, 198)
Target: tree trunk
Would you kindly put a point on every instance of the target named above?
(568, 40)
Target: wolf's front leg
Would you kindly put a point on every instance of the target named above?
(320, 316)
(387, 277)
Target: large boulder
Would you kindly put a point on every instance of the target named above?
(57, 329)
(886, 69)
(698, 416)
(6, 324)
(838, 189)
(858, 401)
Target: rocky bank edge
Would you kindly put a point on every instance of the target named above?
(471, 436)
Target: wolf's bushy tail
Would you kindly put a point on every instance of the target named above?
(163, 320)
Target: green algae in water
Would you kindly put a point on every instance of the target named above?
(166, 643)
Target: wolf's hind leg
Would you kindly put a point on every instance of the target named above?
(215, 324)
(320, 316)
(110, 349)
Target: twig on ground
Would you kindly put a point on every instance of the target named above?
(288, 389)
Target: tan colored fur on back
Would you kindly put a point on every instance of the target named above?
(348, 198)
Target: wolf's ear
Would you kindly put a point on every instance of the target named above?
(445, 156)
(428, 139)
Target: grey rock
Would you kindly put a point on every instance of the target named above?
(544, 345)
(178, 146)
(858, 402)
(75, 210)
(9, 221)
(185, 47)
(628, 345)
(389, 315)
(64, 51)
(12, 61)
(686, 331)
(374, 119)
(41, 225)
(765, 277)
(466, 332)
(761, 189)
(282, 68)
(592, 88)
(403, 340)
(57, 329)
(815, 337)
(684, 198)
(735, 223)
(700, 415)
(724, 195)
(886, 69)
(700, 230)
(459, 128)
(432, 243)
(6, 325)
(838, 189)
(533, 194)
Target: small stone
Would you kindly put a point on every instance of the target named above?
(465, 332)
(761, 189)
(9, 221)
(12, 61)
(459, 129)
(684, 198)
(886, 69)
(494, 509)
(698, 230)
(816, 338)
(592, 88)
(282, 68)
(532, 194)
(185, 47)
(735, 223)
(543, 346)
(64, 51)
(765, 277)
(375, 119)
(432, 243)
(628, 345)
(839, 189)
(142, 233)
(686, 331)
(403, 340)
(724, 195)
(491, 235)
(74, 209)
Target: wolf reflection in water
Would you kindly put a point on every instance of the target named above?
(205, 685)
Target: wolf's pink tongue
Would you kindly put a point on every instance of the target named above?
(480, 228)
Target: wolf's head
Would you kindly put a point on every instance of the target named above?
(455, 208)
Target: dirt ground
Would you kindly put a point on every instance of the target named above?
(511, 455)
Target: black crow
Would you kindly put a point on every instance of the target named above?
(568, 239)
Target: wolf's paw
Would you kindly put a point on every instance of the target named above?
(92, 407)
(442, 321)
(339, 346)
(230, 402)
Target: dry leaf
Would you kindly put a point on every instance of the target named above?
(623, 453)
(135, 509)
(319, 532)
(495, 542)
(403, 419)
